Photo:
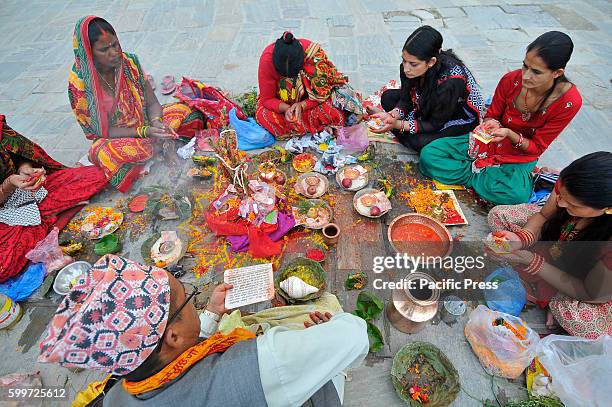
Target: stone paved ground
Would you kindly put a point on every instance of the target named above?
(220, 41)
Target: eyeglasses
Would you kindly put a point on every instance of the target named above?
(193, 291)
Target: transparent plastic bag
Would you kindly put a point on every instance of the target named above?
(504, 344)
(354, 139)
(580, 369)
(48, 252)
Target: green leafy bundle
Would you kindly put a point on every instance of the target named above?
(369, 307)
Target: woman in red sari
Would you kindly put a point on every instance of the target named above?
(296, 81)
(35, 192)
(115, 104)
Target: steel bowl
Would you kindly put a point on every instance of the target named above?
(65, 277)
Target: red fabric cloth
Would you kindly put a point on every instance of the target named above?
(229, 224)
(541, 130)
(313, 120)
(269, 78)
(67, 187)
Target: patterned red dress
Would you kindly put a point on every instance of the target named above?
(313, 84)
(67, 187)
(578, 318)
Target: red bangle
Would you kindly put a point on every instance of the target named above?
(519, 144)
(527, 238)
(535, 266)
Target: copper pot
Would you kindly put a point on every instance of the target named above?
(408, 310)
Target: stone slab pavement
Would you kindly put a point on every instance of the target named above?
(219, 42)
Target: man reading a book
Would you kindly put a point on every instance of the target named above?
(139, 323)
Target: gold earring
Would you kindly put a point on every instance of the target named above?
(608, 211)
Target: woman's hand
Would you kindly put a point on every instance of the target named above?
(317, 318)
(294, 113)
(500, 134)
(388, 122)
(34, 174)
(490, 125)
(523, 257)
(158, 124)
(395, 113)
(373, 110)
(514, 242)
(24, 182)
(217, 299)
(156, 132)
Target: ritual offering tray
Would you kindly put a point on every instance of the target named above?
(452, 212)
(440, 205)
(270, 174)
(352, 177)
(164, 249)
(311, 185)
(371, 203)
(422, 375)
(413, 234)
(200, 172)
(101, 222)
(375, 123)
(204, 160)
(312, 213)
(304, 162)
(302, 280)
(66, 277)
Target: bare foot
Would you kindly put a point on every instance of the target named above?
(551, 323)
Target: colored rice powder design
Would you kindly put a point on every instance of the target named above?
(10, 312)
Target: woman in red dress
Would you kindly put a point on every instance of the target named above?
(530, 108)
(35, 192)
(296, 81)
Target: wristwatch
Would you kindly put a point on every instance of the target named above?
(212, 315)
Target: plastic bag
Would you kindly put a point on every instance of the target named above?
(188, 150)
(348, 99)
(250, 134)
(580, 368)
(504, 344)
(22, 286)
(509, 297)
(48, 252)
(354, 139)
(209, 100)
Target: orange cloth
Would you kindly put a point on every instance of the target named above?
(215, 344)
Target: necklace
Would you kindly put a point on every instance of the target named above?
(526, 115)
(568, 232)
(112, 88)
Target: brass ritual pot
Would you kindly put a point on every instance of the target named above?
(409, 310)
